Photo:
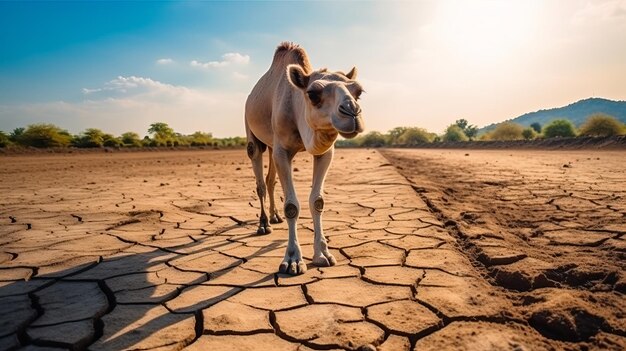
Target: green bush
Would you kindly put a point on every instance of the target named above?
(471, 132)
(91, 137)
(529, 133)
(4, 139)
(163, 133)
(393, 135)
(44, 135)
(468, 129)
(131, 139)
(199, 139)
(507, 131)
(111, 141)
(536, 127)
(414, 136)
(602, 125)
(373, 139)
(559, 128)
(454, 133)
(16, 133)
(354, 142)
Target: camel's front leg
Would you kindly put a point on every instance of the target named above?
(321, 256)
(292, 263)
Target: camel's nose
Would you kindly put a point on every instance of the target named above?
(350, 108)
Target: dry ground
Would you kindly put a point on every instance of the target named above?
(506, 250)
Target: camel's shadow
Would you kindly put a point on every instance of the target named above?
(144, 296)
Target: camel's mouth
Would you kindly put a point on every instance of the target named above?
(349, 127)
(349, 135)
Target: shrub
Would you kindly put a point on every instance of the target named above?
(529, 133)
(507, 131)
(559, 128)
(601, 125)
(414, 136)
(536, 127)
(470, 130)
(131, 139)
(15, 134)
(231, 141)
(485, 137)
(163, 133)
(354, 142)
(373, 139)
(199, 138)
(44, 135)
(394, 134)
(454, 133)
(91, 137)
(4, 139)
(111, 141)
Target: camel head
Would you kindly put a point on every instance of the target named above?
(331, 99)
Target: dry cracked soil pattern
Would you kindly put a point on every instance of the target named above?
(435, 250)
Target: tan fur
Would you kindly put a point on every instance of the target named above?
(280, 114)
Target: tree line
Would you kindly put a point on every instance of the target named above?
(45, 135)
(595, 125)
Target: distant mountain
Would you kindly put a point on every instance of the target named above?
(576, 112)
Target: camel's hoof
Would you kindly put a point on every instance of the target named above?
(264, 230)
(324, 260)
(276, 219)
(292, 267)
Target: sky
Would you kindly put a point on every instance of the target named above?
(119, 66)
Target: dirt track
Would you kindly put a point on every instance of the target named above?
(496, 250)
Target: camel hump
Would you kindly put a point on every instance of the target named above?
(288, 53)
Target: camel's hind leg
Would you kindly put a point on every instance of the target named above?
(255, 151)
(271, 184)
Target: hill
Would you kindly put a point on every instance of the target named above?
(576, 112)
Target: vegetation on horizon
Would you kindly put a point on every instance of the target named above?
(461, 130)
(45, 135)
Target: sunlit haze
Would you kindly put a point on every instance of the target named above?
(120, 66)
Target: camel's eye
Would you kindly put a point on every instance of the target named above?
(315, 96)
(355, 89)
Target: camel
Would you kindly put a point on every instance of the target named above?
(291, 109)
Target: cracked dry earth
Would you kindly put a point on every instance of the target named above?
(436, 250)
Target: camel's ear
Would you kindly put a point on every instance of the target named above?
(297, 77)
(352, 74)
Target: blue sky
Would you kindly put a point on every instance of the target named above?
(120, 66)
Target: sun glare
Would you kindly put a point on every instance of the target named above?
(486, 30)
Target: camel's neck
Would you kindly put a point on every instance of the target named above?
(317, 141)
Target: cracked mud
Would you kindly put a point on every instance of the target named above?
(497, 250)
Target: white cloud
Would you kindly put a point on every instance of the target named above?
(134, 85)
(164, 61)
(132, 82)
(131, 104)
(228, 59)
